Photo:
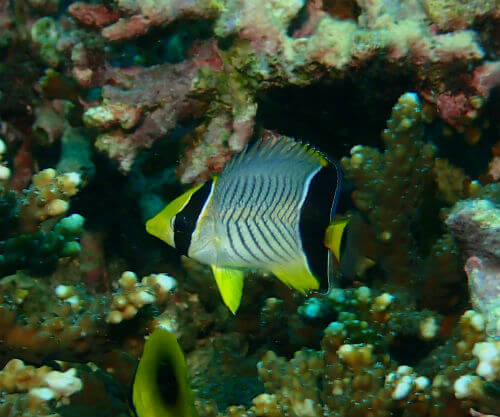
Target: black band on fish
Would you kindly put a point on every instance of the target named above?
(185, 220)
(315, 217)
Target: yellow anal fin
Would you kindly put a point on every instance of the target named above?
(333, 236)
(230, 283)
(296, 275)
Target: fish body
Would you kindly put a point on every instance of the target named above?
(161, 387)
(270, 209)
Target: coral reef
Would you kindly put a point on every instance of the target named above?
(31, 390)
(108, 109)
(477, 224)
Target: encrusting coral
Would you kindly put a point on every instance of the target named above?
(267, 54)
(476, 223)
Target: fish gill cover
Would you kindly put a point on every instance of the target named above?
(109, 109)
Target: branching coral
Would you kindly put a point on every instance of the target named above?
(406, 165)
(364, 380)
(47, 197)
(35, 391)
(66, 322)
(39, 252)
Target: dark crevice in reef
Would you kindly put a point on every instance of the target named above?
(162, 45)
(298, 21)
(342, 9)
(410, 350)
(333, 116)
(111, 203)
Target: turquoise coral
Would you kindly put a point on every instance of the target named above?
(39, 252)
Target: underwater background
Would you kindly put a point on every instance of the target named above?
(109, 109)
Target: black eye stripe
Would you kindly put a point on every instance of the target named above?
(185, 220)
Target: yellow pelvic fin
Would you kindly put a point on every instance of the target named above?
(161, 225)
(333, 236)
(161, 387)
(296, 275)
(230, 283)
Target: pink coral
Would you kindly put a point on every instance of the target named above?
(476, 224)
(267, 53)
(93, 15)
(486, 77)
(453, 109)
(484, 279)
(147, 14)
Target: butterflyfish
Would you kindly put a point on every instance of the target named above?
(161, 387)
(272, 208)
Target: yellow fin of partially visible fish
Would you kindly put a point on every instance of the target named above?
(230, 283)
(161, 387)
(296, 275)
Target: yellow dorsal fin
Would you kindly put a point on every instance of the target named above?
(230, 283)
(161, 387)
(333, 236)
(296, 275)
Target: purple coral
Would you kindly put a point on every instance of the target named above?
(476, 224)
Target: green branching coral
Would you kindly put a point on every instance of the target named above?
(39, 252)
(391, 184)
(8, 212)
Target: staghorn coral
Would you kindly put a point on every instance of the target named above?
(64, 321)
(39, 252)
(406, 165)
(35, 391)
(133, 296)
(361, 379)
(47, 197)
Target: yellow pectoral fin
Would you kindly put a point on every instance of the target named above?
(230, 283)
(296, 275)
(333, 236)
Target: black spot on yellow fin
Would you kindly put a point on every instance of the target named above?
(161, 387)
(230, 283)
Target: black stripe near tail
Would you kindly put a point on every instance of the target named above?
(316, 214)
